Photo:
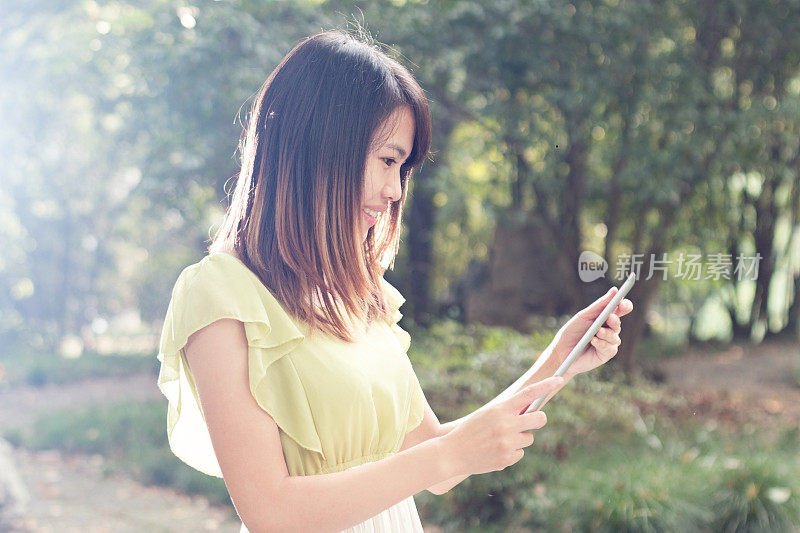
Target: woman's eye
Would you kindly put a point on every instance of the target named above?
(388, 160)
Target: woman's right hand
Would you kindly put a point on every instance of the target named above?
(493, 437)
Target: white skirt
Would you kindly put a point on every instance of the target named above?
(401, 517)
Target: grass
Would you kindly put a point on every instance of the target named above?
(38, 368)
(131, 436)
(659, 477)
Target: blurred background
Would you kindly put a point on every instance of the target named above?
(658, 135)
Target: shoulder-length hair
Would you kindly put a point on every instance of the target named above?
(295, 213)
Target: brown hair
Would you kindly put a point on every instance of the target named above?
(295, 213)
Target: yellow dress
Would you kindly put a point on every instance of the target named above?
(337, 405)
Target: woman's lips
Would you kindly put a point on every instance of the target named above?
(370, 220)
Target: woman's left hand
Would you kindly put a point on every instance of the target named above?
(603, 345)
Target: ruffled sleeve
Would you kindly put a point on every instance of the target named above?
(218, 287)
(416, 407)
(395, 301)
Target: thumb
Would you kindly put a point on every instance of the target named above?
(594, 310)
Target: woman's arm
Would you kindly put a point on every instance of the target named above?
(332, 502)
(603, 347)
(544, 367)
(247, 444)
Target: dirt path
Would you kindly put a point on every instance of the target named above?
(72, 494)
(741, 382)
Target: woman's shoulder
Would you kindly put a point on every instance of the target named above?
(221, 286)
(220, 269)
(226, 251)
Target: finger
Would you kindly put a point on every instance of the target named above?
(614, 323)
(624, 307)
(528, 441)
(529, 394)
(594, 310)
(612, 338)
(523, 440)
(608, 335)
(605, 350)
(534, 420)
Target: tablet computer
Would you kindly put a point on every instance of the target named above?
(591, 332)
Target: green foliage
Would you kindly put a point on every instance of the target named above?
(610, 457)
(120, 123)
(760, 495)
(588, 411)
(462, 365)
(14, 436)
(659, 347)
(119, 132)
(98, 429)
(617, 490)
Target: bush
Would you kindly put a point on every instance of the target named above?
(609, 459)
(760, 495)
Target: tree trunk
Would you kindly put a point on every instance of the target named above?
(642, 295)
(522, 177)
(792, 329)
(614, 188)
(740, 331)
(420, 221)
(612, 219)
(644, 291)
(573, 196)
(764, 237)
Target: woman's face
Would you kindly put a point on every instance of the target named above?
(382, 170)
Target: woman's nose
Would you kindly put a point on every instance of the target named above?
(392, 189)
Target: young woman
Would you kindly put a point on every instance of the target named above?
(281, 355)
